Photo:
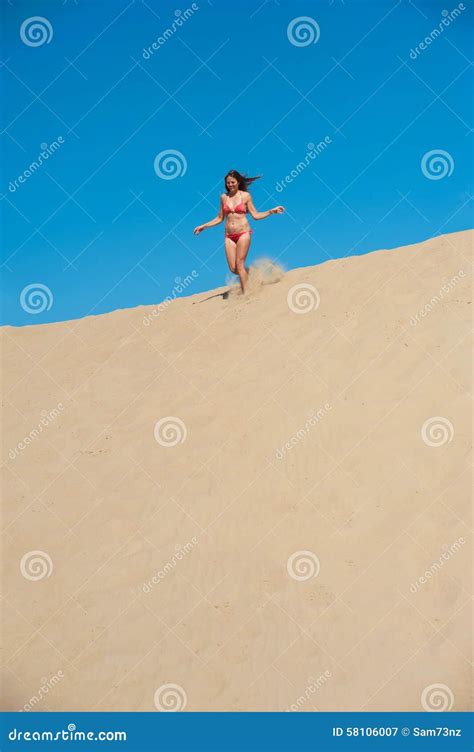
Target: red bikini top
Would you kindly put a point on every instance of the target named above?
(239, 209)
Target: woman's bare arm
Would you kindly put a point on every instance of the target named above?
(262, 215)
(213, 222)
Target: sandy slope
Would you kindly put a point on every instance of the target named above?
(302, 432)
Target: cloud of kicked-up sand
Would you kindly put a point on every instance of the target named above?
(263, 271)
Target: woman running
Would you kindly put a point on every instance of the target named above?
(234, 204)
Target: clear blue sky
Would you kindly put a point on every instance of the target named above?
(101, 230)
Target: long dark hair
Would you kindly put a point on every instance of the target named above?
(243, 180)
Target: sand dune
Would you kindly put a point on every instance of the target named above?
(246, 503)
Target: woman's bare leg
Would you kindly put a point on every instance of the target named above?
(231, 252)
(243, 245)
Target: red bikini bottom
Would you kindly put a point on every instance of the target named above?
(236, 235)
